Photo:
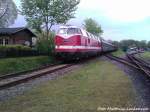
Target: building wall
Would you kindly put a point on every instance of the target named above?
(22, 37)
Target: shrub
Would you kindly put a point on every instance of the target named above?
(16, 50)
(44, 45)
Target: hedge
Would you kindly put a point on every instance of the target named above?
(18, 64)
(16, 50)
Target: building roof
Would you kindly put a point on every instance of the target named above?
(10, 31)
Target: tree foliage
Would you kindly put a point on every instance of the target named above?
(148, 44)
(92, 26)
(43, 14)
(125, 44)
(8, 12)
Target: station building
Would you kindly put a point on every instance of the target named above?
(17, 36)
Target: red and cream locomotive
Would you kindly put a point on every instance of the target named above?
(73, 42)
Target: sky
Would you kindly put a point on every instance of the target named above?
(119, 19)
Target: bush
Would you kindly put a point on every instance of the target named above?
(16, 50)
(46, 46)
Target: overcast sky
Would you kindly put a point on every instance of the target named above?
(120, 19)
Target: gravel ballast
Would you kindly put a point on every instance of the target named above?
(141, 83)
(6, 94)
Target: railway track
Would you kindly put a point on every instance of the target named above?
(24, 72)
(134, 62)
(16, 79)
(144, 66)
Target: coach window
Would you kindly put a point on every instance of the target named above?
(83, 32)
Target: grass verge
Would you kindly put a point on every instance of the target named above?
(146, 55)
(13, 65)
(119, 53)
(98, 84)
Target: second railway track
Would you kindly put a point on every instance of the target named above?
(10, 81)
(144, 66)
(134, 62)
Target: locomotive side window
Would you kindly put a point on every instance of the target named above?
(96, 38)
(84, 33)
(92, 36)
(87, 34)
(80, 32)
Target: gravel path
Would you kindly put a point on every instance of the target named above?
(22, 88)
(141, 83)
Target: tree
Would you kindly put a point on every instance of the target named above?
(125, 44)
(148, 44)
(43, 14)
(8, 13)
(116, 43)
(45, 46)
(92, 26)
(142, 44)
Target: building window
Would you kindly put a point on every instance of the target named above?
(1, 41)
(6, 41)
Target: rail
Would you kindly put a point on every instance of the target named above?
(133, 62)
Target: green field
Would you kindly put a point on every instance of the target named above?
(11, 65)
(97, 84)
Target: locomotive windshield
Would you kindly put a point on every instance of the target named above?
(69, 31)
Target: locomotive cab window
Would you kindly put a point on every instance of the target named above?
(69, 31)
(62, 31)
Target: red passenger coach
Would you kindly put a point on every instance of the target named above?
(73, 42)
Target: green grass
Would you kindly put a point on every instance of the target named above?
(146, 55)
(98, 84)
(10, 65)
(119, 53)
